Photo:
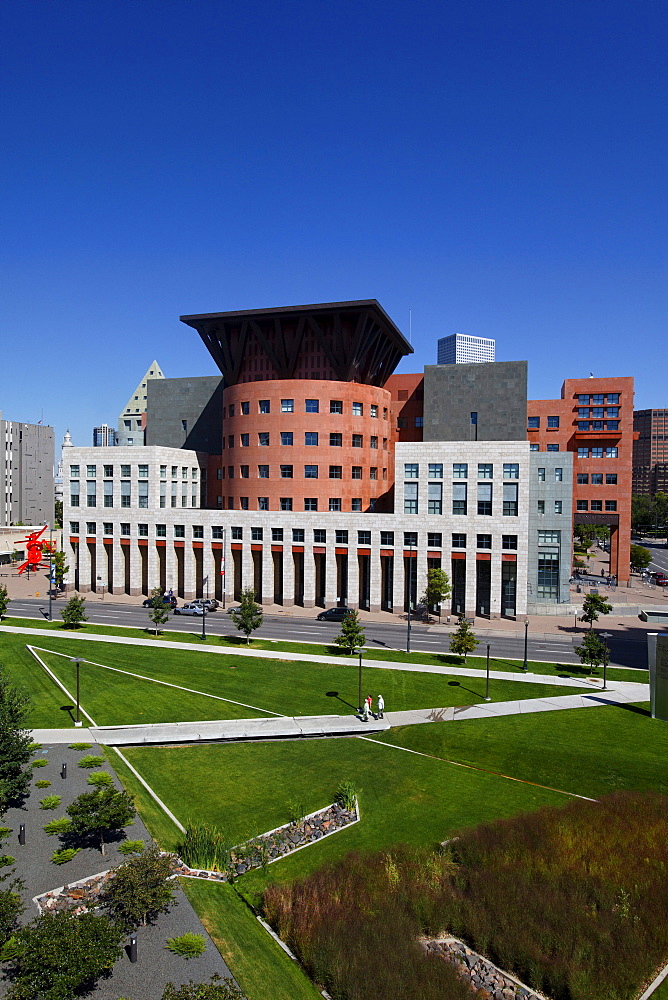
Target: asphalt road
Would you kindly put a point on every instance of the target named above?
(425, 638)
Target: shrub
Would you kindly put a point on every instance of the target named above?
(346, 794)
(141, 888)
(100, 778)
(40, 762)
(216, 989)
(131, 847)
(295, 809)
(34, 747)
(187, 945)
(50, 802)
(42, 783)
(61, 825)
(6, 860)
(80, 746)
(90, 760)
(64, 855)
(204, 846)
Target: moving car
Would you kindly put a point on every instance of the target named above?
(169, 602)
(189, 609)
(209, 603)
(660, 579)
(234, 607)
(334, 614)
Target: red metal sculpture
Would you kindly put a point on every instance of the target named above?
(36, 548)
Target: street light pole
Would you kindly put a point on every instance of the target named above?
(77, 660)
(360, 679)
(525, 665)
(605, 636)
(487, 697)
(50, 571)
(204, 621)
(222, 571)
(410, 588)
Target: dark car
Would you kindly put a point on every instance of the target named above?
(334, 614)
(169, 602)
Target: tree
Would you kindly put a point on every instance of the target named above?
(593, 606)
(158, 613)
(141, 888)
(4, 600)
(60, 568)
(217, 989)
(58, 513)
(661, 507)
(96, 815)
(73, 614)
(10, 900)
(437, 589)
(249, 615)
(592, 650)
(352, 635)
(60, 956)
(640, 558)
(463, 639)
(642, 511)
(15, 740)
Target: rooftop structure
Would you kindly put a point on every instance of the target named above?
(132, 420)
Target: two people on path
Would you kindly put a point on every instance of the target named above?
(367, 708)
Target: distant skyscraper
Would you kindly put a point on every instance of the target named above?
(104, 436)
(460, 349)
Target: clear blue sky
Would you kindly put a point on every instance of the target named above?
(496, 166)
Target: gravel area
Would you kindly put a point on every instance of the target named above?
(156, 966)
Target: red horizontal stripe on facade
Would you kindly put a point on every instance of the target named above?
(198, 545)
(277, 548)
(458, 555)
(319, 549)
(387, 552)
(341, 552)
(509, 557)
(483, 556)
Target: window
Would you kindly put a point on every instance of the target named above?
(245, 409)
(597, 412)
(434, 539)
(613, 397)
(109, 493)
(179, 531)
(312, 405)
(263, 503)
(236, 534)
(597, 505)
(552, 422)
(286, 472)
(612, 425)
(459, 498)
(597, 453)
(583, 452)
(142, 471)
(373, 472)
(611, 505)
(356, 504)
(597, 400)
(287, 406)
(559, 475)
(511, 470)
(597, 478)
(310, 503)
(244, 471)
(341, 537)
(387, 539)
(364, 538)
(231, 410)
(541, 506)
(263, 472)
(220, 473)
(143, 494)
(612, 411)
(484, 542)
(435, 471)
(335, 440)
(336, 472)
(582, 478)
(230, 441)
(277, 534)
(410, 498)
(548, 575)
(217, 531)
(230, 473)
(411, 470)
(356, 472)
(533, 423)
(534, 447)
(109, 470)
(335, 503)
(263, 439)
(286, 437)
(510, 499)
(91, 527)
(373, 441)
(311, 438)
(319, 536)
(74, 471)
(125, 471)
(458, 540)
(198, 531)
(509, 541)
(553, 447)
(485, 470)
(184, 472)
(264, 406)
(91, 471)
(125, 529)
(374, 410)
(558, 507)
(285, 503)
(357, 441)
(611, 452)
(91, 500)
(583, 399)
(541, 475)
(434, 498)
(336, 406)
(419, 421)
(485, 499)
(583, 412)
(583, 425)
(410, 538)
(358, 409)
(256, 534)
(582, 505)
(74, 527)
(611, 479)
(297, 534)
(244, 440)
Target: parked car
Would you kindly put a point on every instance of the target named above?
(234, 607)
(169, 602)
(334, 614)
(189, 609)
(660, 579)
(209, 603)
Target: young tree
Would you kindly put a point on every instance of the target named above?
(592, 650)
(642, 511)
(660, 508)
(463, 639)
(352, 635)
(158, 613)
(4, 601)
(11, 906)
(249, 616)
(58, 513)
(15, 740)
(437, 589)
(640, 558)
(593, 606)
(60, 568)
(74, 613)
(216, 989)
(141, 888)
(60, 956)
(96, 815)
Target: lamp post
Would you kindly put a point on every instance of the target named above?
(77, 660)
(410, 590)
(605, 636)
(204, 621)
(50, 571)
(525, 665)
(487, 697)
(360, 679)
(222, 569)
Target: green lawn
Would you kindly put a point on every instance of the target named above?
(590, 751)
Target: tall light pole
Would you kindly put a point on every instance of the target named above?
(50, 571)
(204, 621)
(360, 678)
(222, 569)
(605, 636)
(525, 665)
(487, 697)
(410, 590)
(78, 660)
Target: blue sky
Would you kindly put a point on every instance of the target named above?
(497, 168)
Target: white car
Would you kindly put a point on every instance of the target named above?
(189, 609)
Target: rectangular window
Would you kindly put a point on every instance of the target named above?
(419, 421)
(553, 447)
(552, 422)
(583, 399)
(91, 500)
(597, 478)
(263, 439)
(583, 412)
(319, 536)
(598, 399)
(91, 471)
(597, 453)
(534, 447)
(244, 471)
(356, 472)
(410, 539)
(387, 539)
(312, 405)
(411, 470)
(263, 503)
(220, 473)
(236, 534)
(582, 505)
(297, 534)
(311, 438)
(541, 506)
(459, 498)
(612, 425)
(548, 575)
(511, 470)
(256, 534)
(335, 440)
(356, 504)
(74, 527)
(435, 470)
(286, 472)
(230, 441)
(231, 408)
(287, 406)
(263, 472)
(286, 437)
(510, 499)
(125, 529)
(198, 531)
(434, 539)
(583, 452)
(310, 503)
(484, 542)
(179, 531)
(597, 412)
(611, 479)
(611, 452)
(559, 475)
(374, 410)
(264, 406)
(373, 472)
(558, 507)
(373, 441)
(143, 494)
(358, 409)
(612, 411)
(485, 470)
(277, 534)
(108, 493)
(410, 498)
(285, 503)
(341, 537)
(109, 469)
(244, 440)
(142, 471)
(596, 505)
(357, 441)
(217, 531)
(245, 409)
(91, 528)
(583, 425)
(611, 505)
(364, 538)
(541, 475)
(613, 397)
(434, 498)
(485, 499)
(509, 542)
(184, 472)
(336, 472)
(458, 540)
(533, 423)
(125, 472)
(230, 475)
(336, 406)
(74, 471)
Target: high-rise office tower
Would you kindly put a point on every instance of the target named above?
(460, 349)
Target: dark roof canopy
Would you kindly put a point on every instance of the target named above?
(346, 341)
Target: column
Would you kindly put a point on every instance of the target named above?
(309, 578)
(267, 574)
(101, 569)
(135, 569)
(398, 580)
(171, 572)
(471, 580)
(353, 578)
(208, 571)
(495, 581)
(246, 566)
(331, 595)
(153, 566)
(288, 577)
(189, 583)
(84, 565)
(118, 557)
(375, 574)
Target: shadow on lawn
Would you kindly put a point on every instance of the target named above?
(457, 684)
(335, 694)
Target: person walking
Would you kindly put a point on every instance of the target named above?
(365, 711)
(369, 706)
(381, 707)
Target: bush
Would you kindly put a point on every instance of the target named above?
(42, 783)
(141, 888)
(90, 760)
(40, 762)
(205, 847)
(216, 989)
(64, 855)
(346, 795)
(50, 802)
(100, 779)
(34, 746)
(295, 809)
(187, 945)
(80, 746)
(61, 825)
